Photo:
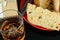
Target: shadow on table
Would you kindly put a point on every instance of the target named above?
(34, 33)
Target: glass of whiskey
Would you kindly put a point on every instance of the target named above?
(11, 25)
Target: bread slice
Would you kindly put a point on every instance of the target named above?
(43, 17)
(56, 4)
(42, 3)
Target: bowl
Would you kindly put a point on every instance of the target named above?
(22, 2)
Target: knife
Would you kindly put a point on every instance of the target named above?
(24, 7)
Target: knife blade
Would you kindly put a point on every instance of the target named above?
(24, 7)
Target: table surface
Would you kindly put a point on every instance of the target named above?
(35, 34)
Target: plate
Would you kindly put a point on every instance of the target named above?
(25, 18)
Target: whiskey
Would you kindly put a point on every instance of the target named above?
(13, 29)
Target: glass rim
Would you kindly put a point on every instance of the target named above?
(19, 14)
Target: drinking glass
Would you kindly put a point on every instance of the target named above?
(11, 25)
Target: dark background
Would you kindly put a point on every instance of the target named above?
(35, 34)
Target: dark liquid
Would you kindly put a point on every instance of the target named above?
(11, 29)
